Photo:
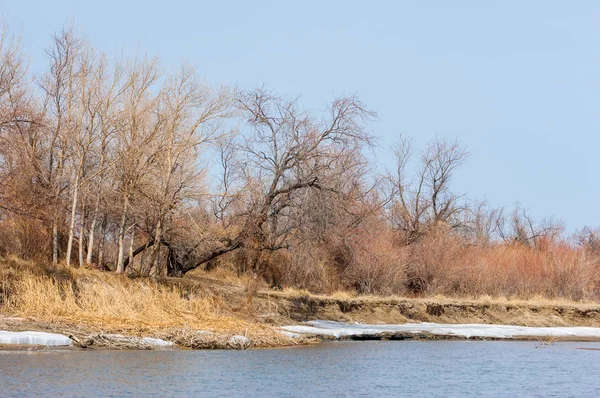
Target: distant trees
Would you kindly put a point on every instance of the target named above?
(27, 188)
(589, 239)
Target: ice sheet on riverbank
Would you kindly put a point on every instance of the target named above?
(338, 329)
(34, 338)
(134, 342)
(156, 342)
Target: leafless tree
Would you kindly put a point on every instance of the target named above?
(104, 107)
(22, 142)
(589, 239)
(136, 138)
(190, 115)
(479, 223)
(285, 153)
(521, 228)
(61, 104)
(425, 200)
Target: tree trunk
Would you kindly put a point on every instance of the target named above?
(155, 260)
(130, 258)
(92, 229)
(72, 222)
(142, 262)
(96, 211)
(82, 234)
(179, 268)
(101, 244)
(153, 264)
(121, 237)
(55, 241)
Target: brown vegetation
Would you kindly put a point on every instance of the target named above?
(113, 165)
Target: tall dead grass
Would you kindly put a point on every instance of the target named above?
(111, 302)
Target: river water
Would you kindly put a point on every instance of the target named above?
(337, 369)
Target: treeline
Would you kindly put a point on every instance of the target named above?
(115, 164)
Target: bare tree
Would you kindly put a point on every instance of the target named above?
(589, 239)
(425, 200)
(190, 115)
(284, 154)
(23, 147)
(59, 85)
(521, 228)
(479, 224)
(136, 137)
(104, 108)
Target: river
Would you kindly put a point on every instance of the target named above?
(336, 369)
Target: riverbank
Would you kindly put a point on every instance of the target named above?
(202, 311)
(85, 303)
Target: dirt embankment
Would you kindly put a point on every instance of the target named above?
(285, 307)
(303, 307)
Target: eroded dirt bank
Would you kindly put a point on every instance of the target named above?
(305, 307)
(282, 307)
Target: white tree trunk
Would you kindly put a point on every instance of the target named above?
(72, 223)
(131, 242)
(101, 243)
(121, 237)
(92, 230)
(81, 234)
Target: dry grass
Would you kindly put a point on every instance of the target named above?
(113, 303)
(343, 295)
(225, 273)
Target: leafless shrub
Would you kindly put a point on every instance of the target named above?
(429, 268)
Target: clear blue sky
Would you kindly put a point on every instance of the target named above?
(517, 81)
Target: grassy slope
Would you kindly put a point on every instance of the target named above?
(83, 302)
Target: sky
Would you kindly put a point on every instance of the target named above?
(517, 82)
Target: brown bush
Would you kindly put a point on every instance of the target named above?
(432, 263)
(309, 267)
(377, 265)
(23, 237)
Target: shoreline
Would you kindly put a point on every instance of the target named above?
(274, 310)
(313, 339)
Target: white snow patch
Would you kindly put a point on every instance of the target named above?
(157, 342)
(141, 340)
(338, 329)
(291, 335)
(239, 342)
(34, 338)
